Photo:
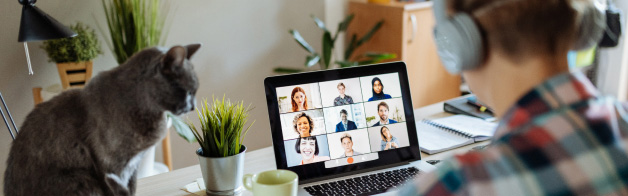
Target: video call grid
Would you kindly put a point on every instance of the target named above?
(325, 119)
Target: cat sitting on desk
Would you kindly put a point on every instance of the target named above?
(89, 141)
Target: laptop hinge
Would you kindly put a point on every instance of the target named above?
(351, 173)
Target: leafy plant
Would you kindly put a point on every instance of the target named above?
(370, 118)
(83, 47)
(323, 59)
(222, 127)
(134, 25)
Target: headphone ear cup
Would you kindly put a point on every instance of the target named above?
(459, 43)
(591, 29)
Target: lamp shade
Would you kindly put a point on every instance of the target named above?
(37, 25)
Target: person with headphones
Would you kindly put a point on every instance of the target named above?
(557, 134)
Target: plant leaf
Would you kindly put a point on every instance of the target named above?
(287, 70)
(377, 57)
(370, 33)
(319, 23)
(328, 45)
(342, 26)
(182, 129)
(347, 63)
(312, 60)
(297, 36)
(351, 47)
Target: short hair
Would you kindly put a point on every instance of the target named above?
(382, 104)
(295, 107)
(297, 146)
(343, 111)
(381, 131)
(513, 27)
(309, 120)
(341, 84)
(345, 135)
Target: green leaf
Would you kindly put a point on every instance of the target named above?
(319, 23)
(350, 47)
(370, 33)
(287, 70)
(182, 129)
(328, 45)
(347, 63)
(297, 36)
(312, 60)
(342, 26)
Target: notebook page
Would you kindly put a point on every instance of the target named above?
(474, 126)
(433, 140)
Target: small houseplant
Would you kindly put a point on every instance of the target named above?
(220, 136)
(74, 55)
(135, 25)
(324, 58)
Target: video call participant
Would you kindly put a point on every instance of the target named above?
(299, 100)
(342, 99)
(558, 134)
(344, 124)
(347, 144)
(382, 111)
(308, 148)
(388, 140)
(303, 124)
(378, 90)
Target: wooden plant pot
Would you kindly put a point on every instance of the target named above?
(75, 74)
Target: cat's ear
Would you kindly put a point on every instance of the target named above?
(173, 58)
(191, 49)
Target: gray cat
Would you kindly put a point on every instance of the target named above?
(90, 141)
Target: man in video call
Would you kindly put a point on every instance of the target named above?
(382, 111)
(347, 144)
(344, 124)
(342, 99)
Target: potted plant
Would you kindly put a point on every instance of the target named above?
(220, 136)
(135, 25)
(74, 55)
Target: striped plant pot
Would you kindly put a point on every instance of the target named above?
(75, 74)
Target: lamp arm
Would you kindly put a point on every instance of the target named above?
(10, 117)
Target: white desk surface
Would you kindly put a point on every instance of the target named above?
(264, 159)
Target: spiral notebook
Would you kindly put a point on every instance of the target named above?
(452, 132)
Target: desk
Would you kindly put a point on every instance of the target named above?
(264, 159)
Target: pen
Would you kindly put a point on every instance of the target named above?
(479, 106)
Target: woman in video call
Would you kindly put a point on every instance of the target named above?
(299, 100)
(558, 134)
(388, 140)
(347, 144)
(378, 90)
(303, 124)
(308, 148)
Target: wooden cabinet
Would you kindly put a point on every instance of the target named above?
(407, 32)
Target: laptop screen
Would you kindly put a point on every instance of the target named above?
(342, 120)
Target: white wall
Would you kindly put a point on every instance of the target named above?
(243, 42)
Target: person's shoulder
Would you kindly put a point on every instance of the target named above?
(370, 99)
(387, 96)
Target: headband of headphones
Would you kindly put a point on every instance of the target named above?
(459, 41)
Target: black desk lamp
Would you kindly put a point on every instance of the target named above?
(35, 25)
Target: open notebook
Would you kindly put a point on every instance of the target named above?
(452, 132)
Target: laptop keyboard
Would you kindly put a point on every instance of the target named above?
(365, 185)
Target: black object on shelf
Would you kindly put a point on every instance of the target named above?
(468, 105)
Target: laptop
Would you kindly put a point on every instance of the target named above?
(345, 129)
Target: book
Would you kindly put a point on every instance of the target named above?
(451, 132)
(468, 105)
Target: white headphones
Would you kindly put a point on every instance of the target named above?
(459, 42)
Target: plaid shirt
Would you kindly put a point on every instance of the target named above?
(561, 138)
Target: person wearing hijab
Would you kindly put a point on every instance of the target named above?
(378, 90)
